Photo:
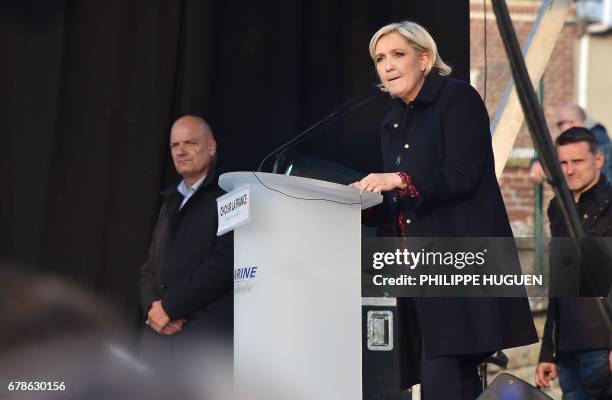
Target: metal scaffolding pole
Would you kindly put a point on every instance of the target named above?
(536, 122)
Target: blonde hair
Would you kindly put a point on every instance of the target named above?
(419, 39)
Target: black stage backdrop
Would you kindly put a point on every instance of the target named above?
(90, 88)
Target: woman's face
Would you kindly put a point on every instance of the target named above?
(401, 68)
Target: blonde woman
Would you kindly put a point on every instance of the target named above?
(439, 181)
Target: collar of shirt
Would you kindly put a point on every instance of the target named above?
(595, 196)
(427, 94)
(431, 87)
(187, 191)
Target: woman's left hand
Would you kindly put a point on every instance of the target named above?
(379, 182)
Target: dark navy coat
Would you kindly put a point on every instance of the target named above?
(442, 140)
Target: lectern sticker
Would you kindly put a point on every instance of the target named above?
(233, 209)
(244, 279)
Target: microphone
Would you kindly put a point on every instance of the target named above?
(342, 111)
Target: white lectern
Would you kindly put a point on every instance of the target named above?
(297, 297)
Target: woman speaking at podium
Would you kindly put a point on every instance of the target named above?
(439, 181)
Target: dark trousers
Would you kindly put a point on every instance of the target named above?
(450, 377)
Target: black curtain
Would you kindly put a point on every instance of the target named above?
(90, 88)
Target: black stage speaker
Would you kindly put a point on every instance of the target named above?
(509, 387)
(381, 350)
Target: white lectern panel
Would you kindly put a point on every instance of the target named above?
(297, 319)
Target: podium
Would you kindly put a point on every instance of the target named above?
(297, 288)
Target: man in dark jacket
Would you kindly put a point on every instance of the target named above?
(576, 339)
(186, 282)
(569, 116)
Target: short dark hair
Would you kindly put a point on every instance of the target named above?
(578, 134)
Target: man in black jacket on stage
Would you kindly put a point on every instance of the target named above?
(576, 339)
(186, 282)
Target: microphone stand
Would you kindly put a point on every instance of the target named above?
(345, 109)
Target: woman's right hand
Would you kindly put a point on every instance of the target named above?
(377, 183)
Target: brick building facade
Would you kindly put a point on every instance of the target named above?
(558, 89)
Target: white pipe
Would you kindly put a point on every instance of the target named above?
(607, 13)
(583, 70)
